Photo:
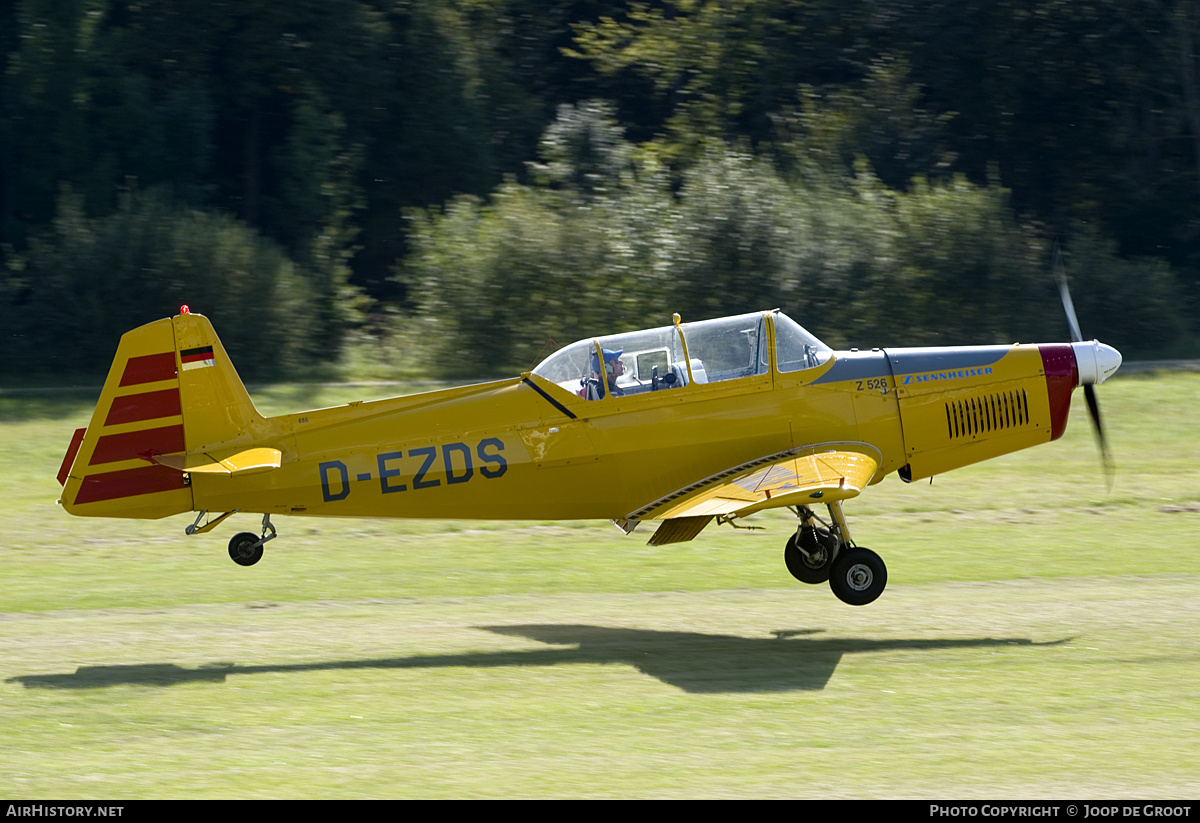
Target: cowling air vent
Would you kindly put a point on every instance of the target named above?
(987, 413)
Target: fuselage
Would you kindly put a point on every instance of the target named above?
(577, 438)
(525, 448)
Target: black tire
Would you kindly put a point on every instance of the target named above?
(858, 576)
(813, 569)
(242, 549)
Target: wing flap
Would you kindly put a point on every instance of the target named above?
(678, 530)
(825, 474)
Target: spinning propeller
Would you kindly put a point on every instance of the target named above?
(1095, 361)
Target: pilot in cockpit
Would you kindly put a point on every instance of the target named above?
(613, 368)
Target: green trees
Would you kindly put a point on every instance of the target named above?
(515, 170)
(80, 286)
(604, 239)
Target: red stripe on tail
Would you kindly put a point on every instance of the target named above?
(149, 405)
(113, 447)
(128, 483)
(149, 368)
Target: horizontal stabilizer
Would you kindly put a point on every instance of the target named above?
(250, 461)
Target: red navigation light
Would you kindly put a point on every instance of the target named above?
(184, 309)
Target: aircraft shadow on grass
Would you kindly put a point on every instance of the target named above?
(700, 663)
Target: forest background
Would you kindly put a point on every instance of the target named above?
(449, 188)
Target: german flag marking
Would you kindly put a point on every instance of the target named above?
(198, 358)
(138, 444)
(149, 368)
(127, 483)
(151, 405)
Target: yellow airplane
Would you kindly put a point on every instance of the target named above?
(683, 424)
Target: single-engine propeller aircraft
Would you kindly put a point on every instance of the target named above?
(683, 424)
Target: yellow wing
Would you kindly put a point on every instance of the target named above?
(802, 476)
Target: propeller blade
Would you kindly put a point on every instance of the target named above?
(1089, 394)
(1065, 293)
(1103, 361)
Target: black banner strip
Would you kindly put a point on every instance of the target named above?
(549, 399)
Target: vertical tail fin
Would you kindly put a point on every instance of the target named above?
(217, 410)
(171, 393)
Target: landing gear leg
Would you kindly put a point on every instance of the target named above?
(810, 551)
(245, 549)
(841, 527)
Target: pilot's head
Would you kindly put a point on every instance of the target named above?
(613, 367)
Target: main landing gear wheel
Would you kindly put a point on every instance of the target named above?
(242, 548)
(814, 566)
(858, 576)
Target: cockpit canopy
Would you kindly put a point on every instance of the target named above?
(726, 348)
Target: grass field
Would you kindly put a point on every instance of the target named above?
(1039, 638)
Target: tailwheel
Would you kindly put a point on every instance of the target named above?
(809, 554)
(858, 576)
(246, 548)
